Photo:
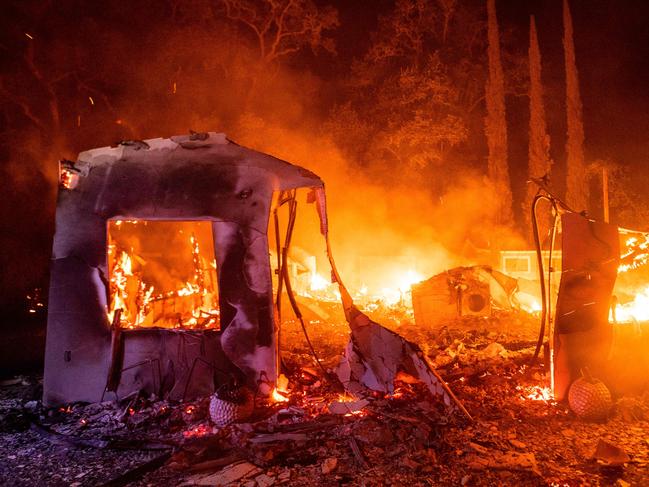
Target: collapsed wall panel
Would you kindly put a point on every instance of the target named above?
(171, 363)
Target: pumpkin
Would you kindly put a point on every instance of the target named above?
(589, 398)
(231, 404)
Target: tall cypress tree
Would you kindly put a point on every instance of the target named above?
(495, 121)
(539, 141)
(577, 183)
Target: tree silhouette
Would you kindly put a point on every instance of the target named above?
(495, 122)
(283, 27)
(577, 182)
(539, 161)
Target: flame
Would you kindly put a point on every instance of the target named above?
(634, 311)
(277, 396)
(319, 283)
(636, 253)
(406, 280)
(307, 282)
(398, 294)
(189, 289)
(528, 302)
(193, 305)
(281, 389)
(122, 271)
(346, 397)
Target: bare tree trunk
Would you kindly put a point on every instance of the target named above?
(539, 143)
(496, 122)
(577, 183)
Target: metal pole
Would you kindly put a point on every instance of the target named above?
(605, 192)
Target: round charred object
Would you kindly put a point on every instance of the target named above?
(231, 404)
(589, 398)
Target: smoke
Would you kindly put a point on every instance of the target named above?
(381, 224)
(206, 79)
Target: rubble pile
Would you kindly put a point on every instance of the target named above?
(315, 433)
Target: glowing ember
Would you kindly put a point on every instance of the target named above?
(360, 412)
(34, 300)
(536, 393)
(200, 430)
(395, 395)
(68, 176)
(348, 405)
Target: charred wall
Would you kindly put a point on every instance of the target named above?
(183, 178)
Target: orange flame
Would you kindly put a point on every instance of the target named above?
(142, 306)
(636, 310)
(276, 396)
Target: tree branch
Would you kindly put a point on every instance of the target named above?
(24, 106)
(36, 72)
(280, 34)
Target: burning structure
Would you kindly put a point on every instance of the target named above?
(460, 292)
(162, 283)
(117, 321)
(161, 276)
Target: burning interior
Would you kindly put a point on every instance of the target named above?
(162, 274)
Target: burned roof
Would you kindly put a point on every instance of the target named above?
(196, 176)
